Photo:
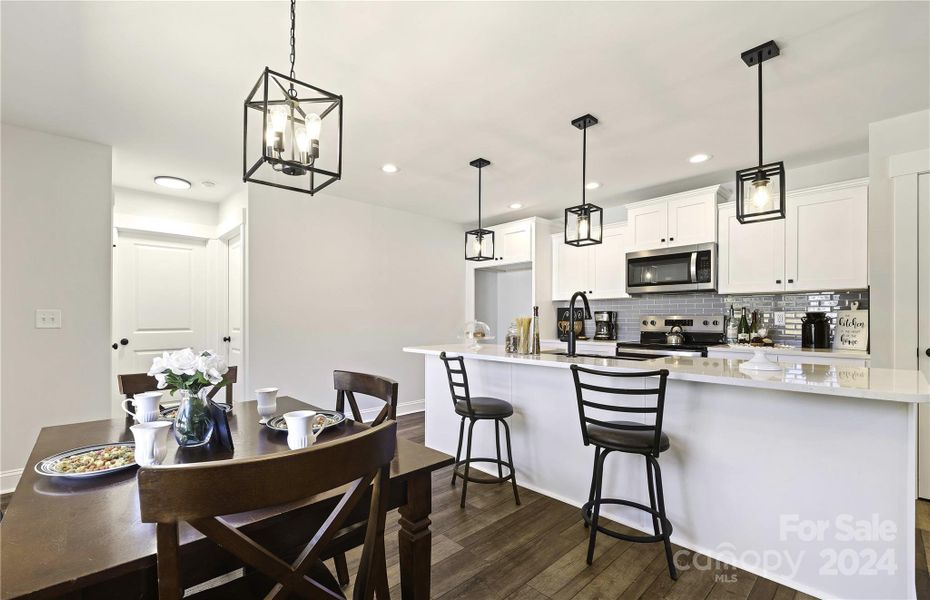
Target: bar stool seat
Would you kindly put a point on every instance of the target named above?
(484, 407)
(626, 440)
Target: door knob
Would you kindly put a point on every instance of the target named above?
(928, 352)
(227, 339)
(122, 342)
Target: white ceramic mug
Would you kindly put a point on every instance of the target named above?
(151, 442)
(303, 427)
(147, 406)
(267, 402)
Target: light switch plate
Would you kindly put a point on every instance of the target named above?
(48, 318)
(780, 318)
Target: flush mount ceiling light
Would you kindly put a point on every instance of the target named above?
(389, 168)
(584, 222)
(760, 190)
(479, 243)
(516, 205)
(592, 185)
(175, 183)
(699, 158)
(285, 116)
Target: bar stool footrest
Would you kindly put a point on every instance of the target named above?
(586, 509)
(459, 469)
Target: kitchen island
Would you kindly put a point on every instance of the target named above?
(805, 476)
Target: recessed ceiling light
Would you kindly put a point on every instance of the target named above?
(389, 168)
(699, 158)
(516, 205)
(175, 183)
(207, 183)
(592, 185)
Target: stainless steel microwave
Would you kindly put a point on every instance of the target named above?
(664, 270)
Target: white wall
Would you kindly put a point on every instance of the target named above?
(56, 251)
(887, 138)
(144, 211)
(231, 211)
(338, 284)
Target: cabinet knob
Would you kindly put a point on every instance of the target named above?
(671, 239)
(663, 239)
(778, 281)
(791, 281)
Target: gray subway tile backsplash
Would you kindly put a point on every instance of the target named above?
(699, 303)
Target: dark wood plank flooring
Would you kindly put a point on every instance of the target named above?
(494, 549)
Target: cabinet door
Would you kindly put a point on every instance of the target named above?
(609, 268)
(692, 220)
(752, 256)
(513, 242)
(826, 238)
(570, 268)
(648, 226)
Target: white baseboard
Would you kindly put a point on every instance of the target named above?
(9, 479)
(404, 408)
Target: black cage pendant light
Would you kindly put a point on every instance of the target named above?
(584, 223)
(479, 243)
(760, 190)
(292, 136)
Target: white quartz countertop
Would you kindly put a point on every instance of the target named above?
(898, 385)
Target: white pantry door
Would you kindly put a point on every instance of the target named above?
(234, 318)
(923, 327)
(160, 297)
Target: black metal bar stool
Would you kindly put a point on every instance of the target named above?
(624, 436)
(478, 409)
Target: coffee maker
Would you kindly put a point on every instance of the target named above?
(605, 325)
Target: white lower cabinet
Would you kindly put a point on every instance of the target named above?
(599, 270)
(793, 357)
(822, 244)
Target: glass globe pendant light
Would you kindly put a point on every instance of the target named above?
(760, 190)
(479, 243)
(284, 117)
(584, 222)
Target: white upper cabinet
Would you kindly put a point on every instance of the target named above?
(513, 242)
(599, 270)
(826, 238)
(752, 256)
(678, 220)
(821, 245)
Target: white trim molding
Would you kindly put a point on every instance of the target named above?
(404, 408)
(909, 163)
(9, 479)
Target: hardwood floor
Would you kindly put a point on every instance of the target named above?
(494, 549)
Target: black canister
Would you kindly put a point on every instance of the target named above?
(815, 330)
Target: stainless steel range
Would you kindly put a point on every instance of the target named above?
(687, 335)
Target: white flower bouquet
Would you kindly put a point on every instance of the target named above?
(185, 370)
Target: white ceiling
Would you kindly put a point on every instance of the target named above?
(431, 86)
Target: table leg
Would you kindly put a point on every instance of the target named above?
(416, 539)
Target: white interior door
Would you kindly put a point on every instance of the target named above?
(923, 327)
(159, 299)
(234, 301)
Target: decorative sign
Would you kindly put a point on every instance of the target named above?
(852, 330)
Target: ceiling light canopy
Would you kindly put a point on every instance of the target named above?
(584, 222)
(175, 183)
(389, 168)
(760, 190)
(479, 243)
(699, 158)
(287, 122)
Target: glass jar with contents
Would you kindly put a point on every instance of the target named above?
(512, 339)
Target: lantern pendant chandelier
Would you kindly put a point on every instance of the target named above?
(760, 190)
(479, 243)
(288, 118)
(584, 223)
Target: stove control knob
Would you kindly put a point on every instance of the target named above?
(706, 322)
(645, 322)
(716, 322)
(652, 322)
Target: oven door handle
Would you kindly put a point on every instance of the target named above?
(694, 256)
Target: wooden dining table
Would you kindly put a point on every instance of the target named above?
(84, 538)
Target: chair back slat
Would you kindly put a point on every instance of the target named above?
(655, 394)
(131, 384)
(455, 367)
(347, 384)
(198, 493)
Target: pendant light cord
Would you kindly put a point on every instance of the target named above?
(584, 162)
(292, 91)
(760, 109)
(479, 200)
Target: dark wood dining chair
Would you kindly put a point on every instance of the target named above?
(198, 493)
(347, 384)
(137, 383)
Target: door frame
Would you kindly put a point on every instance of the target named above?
(221, 323)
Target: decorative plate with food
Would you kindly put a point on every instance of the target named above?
(331, 417)
(89, 461)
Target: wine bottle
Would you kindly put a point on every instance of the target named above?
(536, 348)
(743, 333)
(732, 326)
(754, 328)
